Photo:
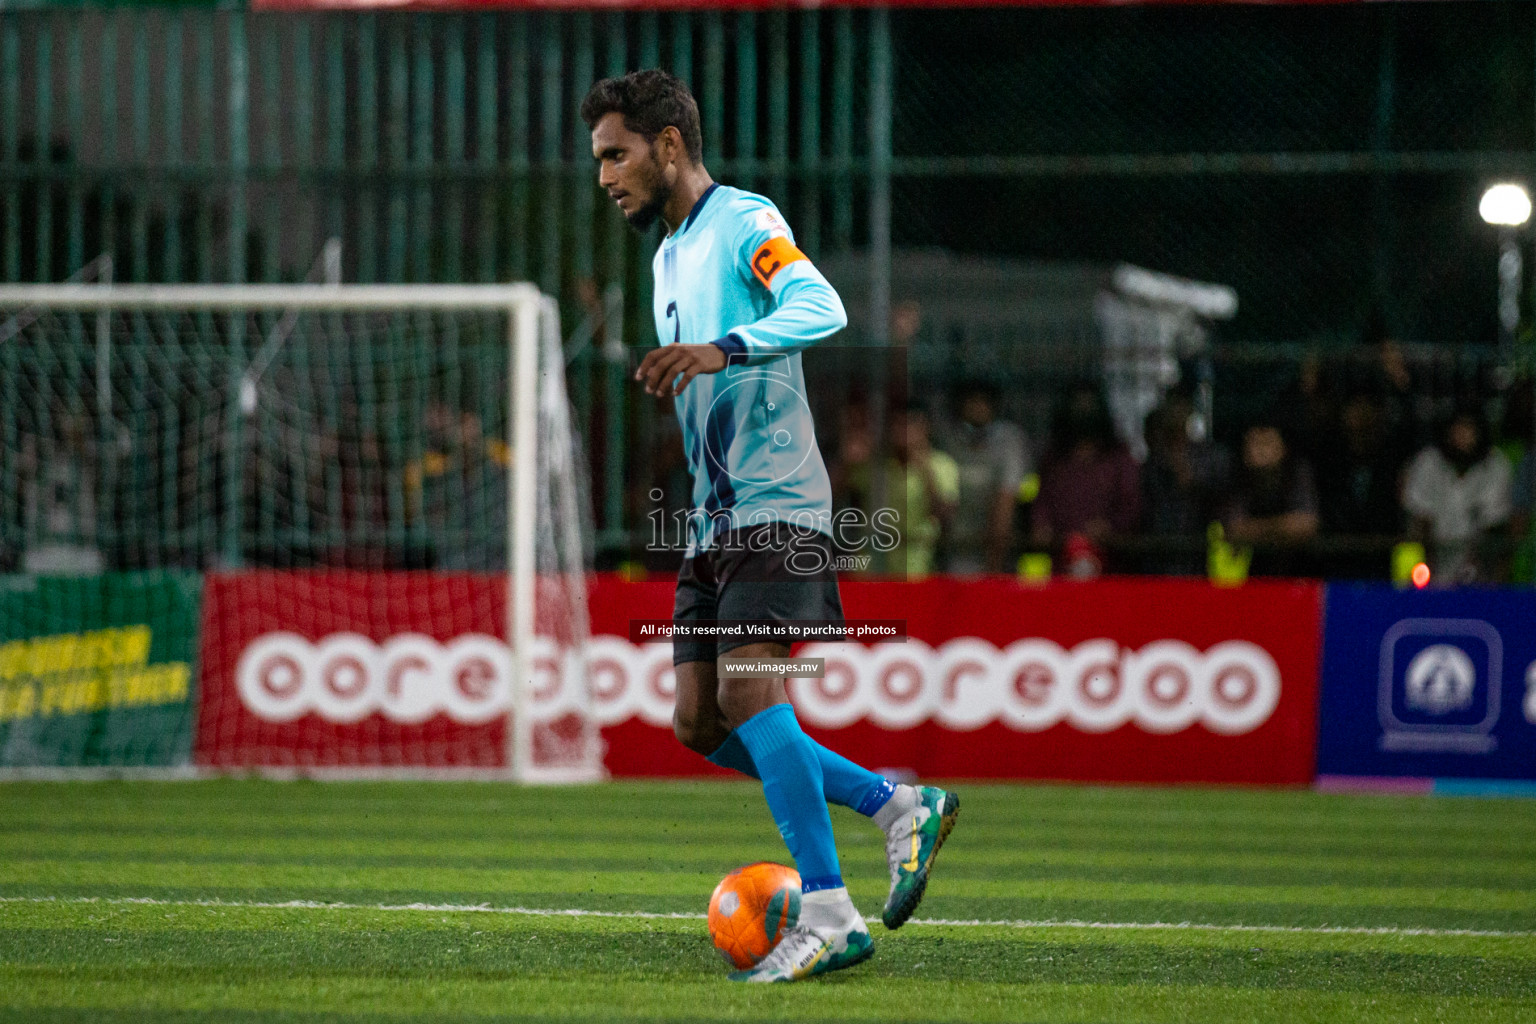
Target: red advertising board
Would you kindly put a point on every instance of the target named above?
(670, 5)
(1134, 680)
(352, 669)
(1115, 680)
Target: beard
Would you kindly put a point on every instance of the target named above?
(648, 214)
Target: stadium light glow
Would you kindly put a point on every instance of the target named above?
(1505, 204)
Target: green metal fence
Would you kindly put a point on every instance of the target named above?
(215, 146)
(1319, 160)
(210, 145)
(1324, 162)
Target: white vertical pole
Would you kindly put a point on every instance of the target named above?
(104, 352)
(1510, 272)
(330, 261)
(522, 508)
(559, 459)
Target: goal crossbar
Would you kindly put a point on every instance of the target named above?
(229, 298)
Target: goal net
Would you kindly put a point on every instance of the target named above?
(355, 517)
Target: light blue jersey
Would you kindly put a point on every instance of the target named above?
(731, 275)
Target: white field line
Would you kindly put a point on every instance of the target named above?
(646, 915)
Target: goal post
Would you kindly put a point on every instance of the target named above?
(372, 430)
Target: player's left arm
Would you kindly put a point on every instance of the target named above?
(806, 309)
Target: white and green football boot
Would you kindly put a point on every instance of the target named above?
(802, 953)
(910, 846)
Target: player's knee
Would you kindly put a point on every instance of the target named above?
(740, 702)
(695, 735)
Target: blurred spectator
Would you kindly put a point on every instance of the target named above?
(60, 475)
(284, 475)
(850, 470)
(906, 322)
(993, 458)
(1457, 490)
(1406, 402)
(1358, 473)
(931, 488)
(661, 496)
(360, 522)
(1307, 409)
(1360, 486)
(1090, 487)
(1182, 481)
(1273, 504)
(1518, 424)
(1522, 519)
(456, 491)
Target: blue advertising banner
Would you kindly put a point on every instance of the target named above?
(1428, 684)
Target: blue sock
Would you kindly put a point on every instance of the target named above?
(852, 785)
(842, 782)
(732, 754)
(792, 783)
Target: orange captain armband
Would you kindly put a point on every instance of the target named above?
(773, 256)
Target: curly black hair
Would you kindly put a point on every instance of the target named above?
(650, 101)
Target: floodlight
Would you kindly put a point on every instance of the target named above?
(1506, 204)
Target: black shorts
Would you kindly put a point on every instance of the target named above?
(767, 573)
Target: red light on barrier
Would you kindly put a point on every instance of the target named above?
(1421, 576)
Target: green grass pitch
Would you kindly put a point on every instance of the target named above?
(245, 901)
